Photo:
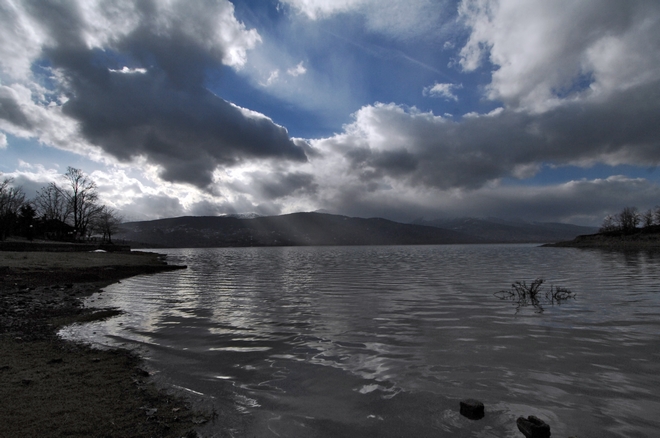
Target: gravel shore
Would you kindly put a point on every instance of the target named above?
(53, 388)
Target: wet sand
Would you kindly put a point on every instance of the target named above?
(53, 388)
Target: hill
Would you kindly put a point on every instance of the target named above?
(297, 229)
(511, 231)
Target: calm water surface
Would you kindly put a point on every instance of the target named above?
(385, 341)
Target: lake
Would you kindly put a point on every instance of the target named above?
(385, 341)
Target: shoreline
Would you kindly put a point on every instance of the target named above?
(639, 241)
(61, 388)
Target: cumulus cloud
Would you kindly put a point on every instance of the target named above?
(419, 148)
(442, 90)
(164, 114)
(545, 52)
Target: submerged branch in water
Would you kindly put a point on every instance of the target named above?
(524, 295)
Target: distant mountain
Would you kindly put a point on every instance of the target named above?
(287, 230)
(511, 231)
(242, 215)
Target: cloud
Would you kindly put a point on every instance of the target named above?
(546, 52)
(397, 18)
(272, 77)
(297, 70)
(149, 207)
(273, 186)
(432, 151)
(574, 83)
(136, 87)
(11, 112)
(584, 202)
(442, 90)
(318, 9)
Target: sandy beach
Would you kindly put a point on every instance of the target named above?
(53, 388)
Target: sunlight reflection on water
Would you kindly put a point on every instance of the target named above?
(384, 341)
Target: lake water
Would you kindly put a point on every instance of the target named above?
(385, 341)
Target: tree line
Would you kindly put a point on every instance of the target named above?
(68, 211)
(629, 219)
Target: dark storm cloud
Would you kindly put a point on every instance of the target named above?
(147, 207)
(372, 164)
(162, 112)
(423, 150)
(279, 185)
(10, 109)
(580, 202)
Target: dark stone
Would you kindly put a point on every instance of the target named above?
(472, 409)
(533, 427)
(142, 373)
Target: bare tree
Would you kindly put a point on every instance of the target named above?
(82, 197)
(51, 204)
(628, 219)
(656, 215)
(609, 224)
(107, 222)
(11, 200)
(647, 218)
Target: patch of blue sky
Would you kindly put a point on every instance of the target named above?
(43, 75)
(550, 175)
(235, 88)
(581, 83)
(261, 15)
(347, 67)
(39, 155)
(114, 60)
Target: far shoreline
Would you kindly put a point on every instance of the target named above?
(634, 240)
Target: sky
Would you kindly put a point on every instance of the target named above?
(402, 109)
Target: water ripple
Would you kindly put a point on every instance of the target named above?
(373, 340)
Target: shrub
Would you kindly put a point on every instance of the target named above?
(523, 295)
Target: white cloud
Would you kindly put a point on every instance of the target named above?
(399, 151)
(443, 90)
(549, 52)
(21, 40)
(3, 141)
(297, 70)
(318, 9)
(272, 77)
(129, 71)
(26, 116)
(398, 18)
(170, 45)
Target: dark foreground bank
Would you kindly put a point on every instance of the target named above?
(53, 388)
